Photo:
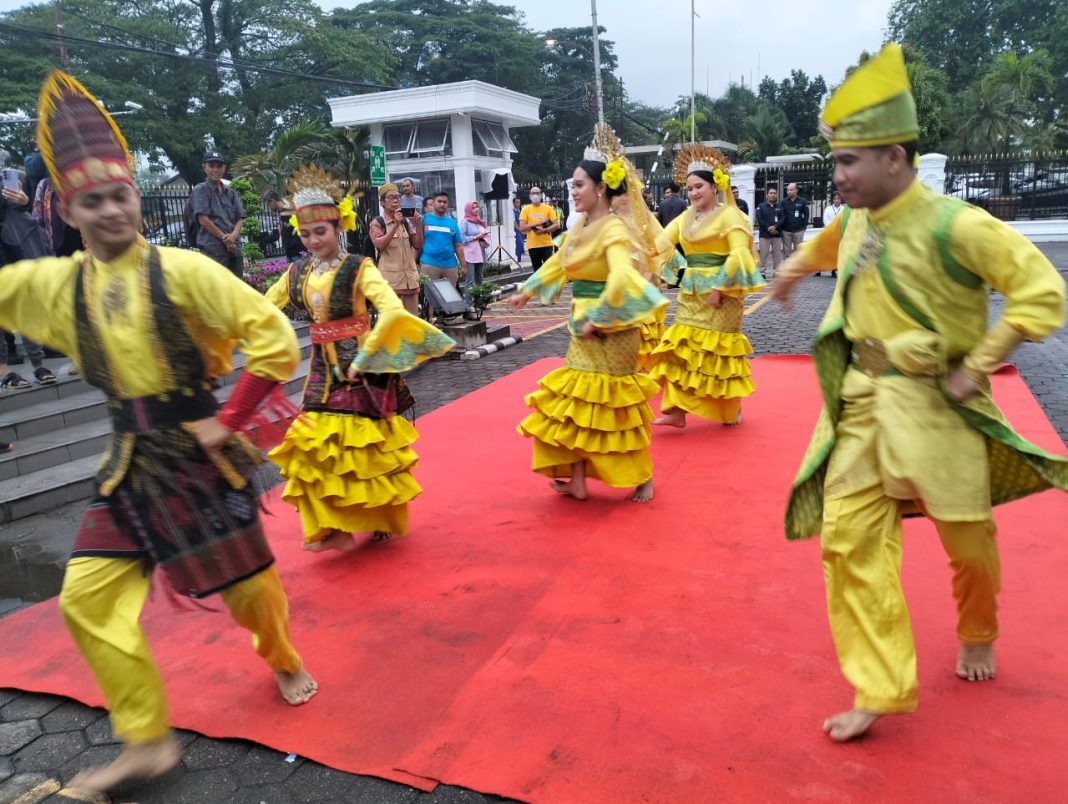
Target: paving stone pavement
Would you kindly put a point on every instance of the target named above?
(45, 739)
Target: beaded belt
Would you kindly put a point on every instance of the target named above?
(869, 356)
(331, 331)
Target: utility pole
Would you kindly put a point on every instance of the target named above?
(59, 34)
(693, 116)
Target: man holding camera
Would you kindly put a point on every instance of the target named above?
(538, 221)
(397, 236)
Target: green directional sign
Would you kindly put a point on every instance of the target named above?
(378, 165)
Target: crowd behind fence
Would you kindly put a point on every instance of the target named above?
(1010, 186)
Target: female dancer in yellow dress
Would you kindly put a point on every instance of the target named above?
(347, 458)
(701, 362)
(591, 418)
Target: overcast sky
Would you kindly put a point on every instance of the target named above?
(735, 39)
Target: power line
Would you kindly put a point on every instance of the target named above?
(220, 62)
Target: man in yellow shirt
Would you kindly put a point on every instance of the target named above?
(538, 221)
(908, 426)
(152, 328)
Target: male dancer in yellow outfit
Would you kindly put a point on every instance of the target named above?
(908, 425)
(152, 328)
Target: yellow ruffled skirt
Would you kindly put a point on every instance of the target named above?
(348, 473)
(652, 330)
(594, 409)
(702, 360)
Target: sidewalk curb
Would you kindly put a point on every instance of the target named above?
(481, 351)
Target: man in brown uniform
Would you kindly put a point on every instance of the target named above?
(397, 239)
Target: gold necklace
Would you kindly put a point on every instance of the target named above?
(321, 268)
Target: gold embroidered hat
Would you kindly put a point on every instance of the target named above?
(315, 199)
(79, 141)
(874, 106)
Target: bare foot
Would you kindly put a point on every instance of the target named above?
(335, 541)
(297, 688)
(643, 493)
(381, 535)
(676, 418)
(976, 662)
(849, 725)
(137, 761)
(575, 487)
(737, 420)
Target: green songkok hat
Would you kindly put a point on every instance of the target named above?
(874, 106)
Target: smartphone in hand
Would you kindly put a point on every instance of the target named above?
(11, 179)
(408, 212)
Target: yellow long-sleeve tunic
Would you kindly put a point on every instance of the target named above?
(914, 276)
(345, 471)
(595, 408)
(702, 360)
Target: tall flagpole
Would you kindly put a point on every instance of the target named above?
(597, 64)
(693, 117)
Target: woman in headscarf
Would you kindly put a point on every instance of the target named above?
(475, 235)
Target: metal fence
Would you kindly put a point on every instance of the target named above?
(162, 210)
(1012, 186)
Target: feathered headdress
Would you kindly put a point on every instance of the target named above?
(79, 141)
(315, 198)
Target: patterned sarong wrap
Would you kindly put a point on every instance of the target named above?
(376, 396)
(160, 496)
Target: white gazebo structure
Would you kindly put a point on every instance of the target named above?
(450, 137)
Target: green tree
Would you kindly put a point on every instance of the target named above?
(800, 100)
(1003, 107)
(215, 72)
(269, 170)
(767, 131)
(962, 38)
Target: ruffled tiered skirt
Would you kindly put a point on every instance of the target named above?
(594, 409)
(348, 473)
(702, 360)
(652, 330)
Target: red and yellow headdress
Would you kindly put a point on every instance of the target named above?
(79, 141)
(315, 199)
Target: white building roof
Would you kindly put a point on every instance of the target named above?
(475, 98)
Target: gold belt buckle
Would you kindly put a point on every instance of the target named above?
(869, 355)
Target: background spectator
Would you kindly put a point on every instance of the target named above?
(475, 234)
(409, 200)
(538, 221)
(517, 207)
(830, 212)
(672, 205)
(397, 238)
(220, 214)
(795, 220)
(769, 216)
(739, 202)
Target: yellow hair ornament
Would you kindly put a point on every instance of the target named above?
(722, 180)
(347, 214)
(614, 174)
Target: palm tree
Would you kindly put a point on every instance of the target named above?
(767, 130)
(269, 170)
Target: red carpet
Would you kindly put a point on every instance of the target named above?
(556, 651)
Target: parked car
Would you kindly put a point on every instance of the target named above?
(171, 233)
(1043, 193)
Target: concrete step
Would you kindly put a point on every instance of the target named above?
(68, 385)
(49, 413)
(71, 478)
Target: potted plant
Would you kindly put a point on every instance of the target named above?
(481, 296)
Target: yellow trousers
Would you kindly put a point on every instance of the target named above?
(101, 602)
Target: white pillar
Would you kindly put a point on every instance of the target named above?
(463, 159)
(932, 172)
(744, 177)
